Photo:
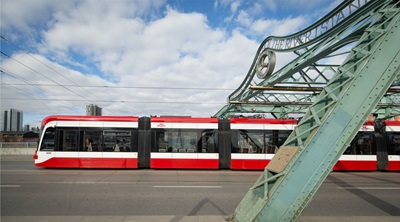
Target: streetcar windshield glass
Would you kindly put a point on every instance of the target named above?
(48, 139)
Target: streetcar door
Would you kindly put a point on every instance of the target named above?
(68, 144)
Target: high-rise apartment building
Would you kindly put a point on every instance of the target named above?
(93, 110)
(11, 120)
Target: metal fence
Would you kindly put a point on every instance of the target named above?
(18, 145)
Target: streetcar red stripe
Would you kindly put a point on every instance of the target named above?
(184, 163)
(65, 162)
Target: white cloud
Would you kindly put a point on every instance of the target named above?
(279, 27)
(22, 14)
(262, 18)
(132, 44)
(177, 50)
(244, 19)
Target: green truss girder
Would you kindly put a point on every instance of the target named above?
(306, 158)
(312, 67)
(291, 104)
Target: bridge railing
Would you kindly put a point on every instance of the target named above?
(18, 148)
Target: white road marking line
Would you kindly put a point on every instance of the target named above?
(207, 187)
(369, 188)
(9, 186)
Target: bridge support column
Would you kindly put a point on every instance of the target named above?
(298, 169)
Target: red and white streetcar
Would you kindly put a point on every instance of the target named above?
(190, 143)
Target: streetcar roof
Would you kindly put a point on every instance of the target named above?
(89, 118)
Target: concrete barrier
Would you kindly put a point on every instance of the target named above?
(17, 151)
(17, 148)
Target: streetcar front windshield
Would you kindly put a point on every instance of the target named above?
(47, 143)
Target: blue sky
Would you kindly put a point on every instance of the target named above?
(140, 57)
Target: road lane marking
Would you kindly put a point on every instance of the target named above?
(9, 186)
(369, 188)
(207, 187)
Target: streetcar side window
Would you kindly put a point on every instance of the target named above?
(393, 143)
(258, 141)
(282, 135)
(271, 139)
(93, 140)
(69, 139)
(250, 141)
(118, 140)
(159, 141)
(48, 140)
(365, 145)
(361, 144)
(240, 141)
(184, 141)
(209, 142)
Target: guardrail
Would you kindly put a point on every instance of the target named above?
(18, 148)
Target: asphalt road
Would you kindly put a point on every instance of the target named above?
(28, 191)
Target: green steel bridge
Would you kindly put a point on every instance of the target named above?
(345, 67)
(318, 53)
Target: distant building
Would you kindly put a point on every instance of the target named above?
(93, 110)
(19, 136)
(30, 137)
(11, 120)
